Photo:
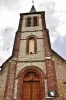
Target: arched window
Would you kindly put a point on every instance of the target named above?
(31, 45)
(35, 21)
(32, 21)
(28, 22)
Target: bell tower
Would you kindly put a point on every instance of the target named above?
(33, 76)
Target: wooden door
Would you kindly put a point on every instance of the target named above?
(35, 91)
(31, 87)
(26, 91)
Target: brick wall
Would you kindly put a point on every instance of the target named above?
(3, 78)
(60, 66)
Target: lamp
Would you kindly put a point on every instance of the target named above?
(51, 93)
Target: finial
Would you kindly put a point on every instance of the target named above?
(33, 8)
(32, 2)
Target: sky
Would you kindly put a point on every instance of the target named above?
(55, 15)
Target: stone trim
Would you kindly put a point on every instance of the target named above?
(48, 58)
(31, 61)
(35, 43)
(26, 39)
(15, 89)
(30, 31)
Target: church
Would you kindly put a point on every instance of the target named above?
(34, 71)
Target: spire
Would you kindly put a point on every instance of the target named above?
(33, 8)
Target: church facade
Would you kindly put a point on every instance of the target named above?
(34, 71)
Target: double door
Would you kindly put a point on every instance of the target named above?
(31, 87)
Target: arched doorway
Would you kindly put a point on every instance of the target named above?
(30, 84)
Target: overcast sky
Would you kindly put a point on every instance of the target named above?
(55, 14)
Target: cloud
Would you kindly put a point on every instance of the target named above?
(9, 19)
(6, 44)
(10, 4)
(8, 38)
(52, 22)
(59, 46)
(17, 6)
(56, 23)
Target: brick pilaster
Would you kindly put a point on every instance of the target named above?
(10, 81)
(20, 23)
(50, 67)
(17, 38)
(16, 44)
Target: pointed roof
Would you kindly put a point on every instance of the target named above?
(33, 9)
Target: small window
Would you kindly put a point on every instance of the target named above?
(35, 21)
(28, 22)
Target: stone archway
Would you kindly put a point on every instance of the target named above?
(31, 84)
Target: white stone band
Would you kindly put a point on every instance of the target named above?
(48, 58)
